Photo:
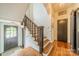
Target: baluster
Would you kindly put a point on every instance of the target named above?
(27, 23)
(32, 28)
(30, 24)
(36, 34)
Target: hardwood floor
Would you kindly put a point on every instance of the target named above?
(28, 52)
(62, 49)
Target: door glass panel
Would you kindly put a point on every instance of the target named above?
(7, 36)
(11, 32)
(8, 29)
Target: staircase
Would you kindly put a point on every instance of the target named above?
(48, 46)
(35, 33)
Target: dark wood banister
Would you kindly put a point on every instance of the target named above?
(36, 31)
(31, 21)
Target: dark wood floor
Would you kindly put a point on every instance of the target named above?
(62, 49)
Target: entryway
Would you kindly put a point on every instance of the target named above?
(10, 37)
(62, 30)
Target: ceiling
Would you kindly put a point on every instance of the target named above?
(12, 11)
(54, 7)
(16, 11)
(60, 6)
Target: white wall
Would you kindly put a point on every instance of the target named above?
(29, 11)
(39, 15)
(42, 18)
(2, 35)
(13, 11)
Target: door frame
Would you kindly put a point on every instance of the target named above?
(23, 36)
(76, 34)
(4, 35)
(66, 19)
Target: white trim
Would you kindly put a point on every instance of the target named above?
(49, 50)
(45, 39)
(44, 54)
(46, 44)
(78, 49)
(52, 41)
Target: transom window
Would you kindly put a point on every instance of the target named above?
(11, 32)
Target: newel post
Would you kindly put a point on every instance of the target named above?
(41, 33)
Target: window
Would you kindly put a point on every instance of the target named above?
(11, 32)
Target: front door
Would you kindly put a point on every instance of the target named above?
(62, 30)
(10, 37)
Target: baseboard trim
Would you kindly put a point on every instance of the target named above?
(0, 54)
(44, 54)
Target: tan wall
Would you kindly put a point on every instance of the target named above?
(66, 16)
(50, 12)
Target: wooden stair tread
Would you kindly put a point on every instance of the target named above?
(45, 42)
(47, 48)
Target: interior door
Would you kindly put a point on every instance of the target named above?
(73, 30)
(77, 31)
(62, 30)
(10, 37)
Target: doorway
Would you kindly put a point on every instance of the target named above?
(10, 37)
(62, 30)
